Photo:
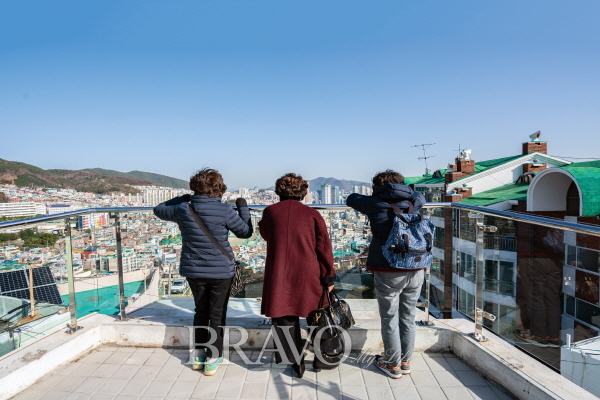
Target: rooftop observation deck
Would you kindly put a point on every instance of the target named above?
(146, 357)
(142, 349)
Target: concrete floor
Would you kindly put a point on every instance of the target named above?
(158, 373)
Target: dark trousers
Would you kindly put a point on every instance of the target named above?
(293, 322)
(210, 298)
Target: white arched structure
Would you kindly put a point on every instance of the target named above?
(548, 191)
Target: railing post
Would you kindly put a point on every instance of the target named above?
(427, 302)
(479, 271)
(72, 327)
(169, 283)
(122, 314)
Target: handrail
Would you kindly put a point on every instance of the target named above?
(533, 219)
(84, 211)
(512, 215)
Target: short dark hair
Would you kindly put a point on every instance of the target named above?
(208, 182)
(387, 176)
(291, 186)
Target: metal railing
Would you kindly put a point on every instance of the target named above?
(500, 243)
(497, 286)
(434, 208)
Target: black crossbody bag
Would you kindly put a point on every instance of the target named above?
(237, 285)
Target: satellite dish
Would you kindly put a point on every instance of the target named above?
(535, 136)
(466, 154)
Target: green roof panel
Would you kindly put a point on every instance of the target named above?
(587, 175)
(512, 191)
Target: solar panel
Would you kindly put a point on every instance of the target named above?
(15, 284)
(13, 280)
(21, 294)
(42, 276)
(47, 294)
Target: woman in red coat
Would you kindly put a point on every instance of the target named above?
(299, 263)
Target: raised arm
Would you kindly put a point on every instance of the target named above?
(360, 203)
(167, 210)
(324, 252)
(240, 223)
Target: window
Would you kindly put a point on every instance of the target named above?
(491, 275)
(570, 305)
(588, 259)
(586, 286)
(466, 266)
(499, 277)
(588, 313)
(571, 256)
(507, 278)
(582, 258)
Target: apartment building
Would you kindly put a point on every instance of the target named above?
(60, 208)
(542, 284)
(22, 209)
(92, 221)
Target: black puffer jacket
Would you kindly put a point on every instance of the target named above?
(199, 256)
(381, 216)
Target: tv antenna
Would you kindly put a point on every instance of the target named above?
(424, 146)
(460, 150)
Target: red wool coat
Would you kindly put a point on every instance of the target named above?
(299, 259)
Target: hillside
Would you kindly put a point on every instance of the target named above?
(158, 179)
(22, 174)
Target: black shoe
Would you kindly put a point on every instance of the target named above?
(299, 368)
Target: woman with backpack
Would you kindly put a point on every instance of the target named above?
(397, 289)
(207, 269)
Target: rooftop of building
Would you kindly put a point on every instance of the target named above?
(512, 191)
(438, 177)
(146, 357)
(587, 175)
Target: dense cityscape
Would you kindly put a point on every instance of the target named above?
(148, 242)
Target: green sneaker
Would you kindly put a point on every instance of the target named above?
(198, 362)
(210, 368)
(405, 368)
(391, 371)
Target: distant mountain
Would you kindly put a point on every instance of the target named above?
(158, 179)
(315, 184)
(22, 174)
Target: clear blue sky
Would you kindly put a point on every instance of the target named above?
(322, 88)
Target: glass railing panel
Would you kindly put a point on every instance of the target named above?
(96, 260)
(32, 266)
(350, 237)
(541, 284)
(441, 219)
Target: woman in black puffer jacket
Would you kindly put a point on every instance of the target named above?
(208, 271)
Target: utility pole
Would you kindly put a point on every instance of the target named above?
(424, 146)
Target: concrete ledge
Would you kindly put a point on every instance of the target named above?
(523, 376)
(497, 360)
(22, 367)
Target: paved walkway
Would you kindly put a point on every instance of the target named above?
(155, 373)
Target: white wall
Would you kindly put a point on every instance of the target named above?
(548, 191)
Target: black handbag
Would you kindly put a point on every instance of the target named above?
(329, 320)
(336, 314)
(237, 284)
